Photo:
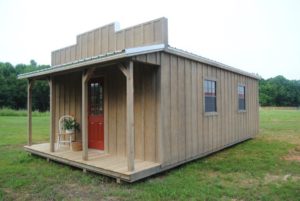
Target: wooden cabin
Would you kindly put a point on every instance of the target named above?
(143, 106)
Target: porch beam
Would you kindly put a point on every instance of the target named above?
(130, 117)
(123, 69)
(29, 111)
(86, 75)
(52, 113)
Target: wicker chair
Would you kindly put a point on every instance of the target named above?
(63, 136)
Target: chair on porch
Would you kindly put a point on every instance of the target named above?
(64, 137)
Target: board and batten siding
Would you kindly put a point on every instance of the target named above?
(144, 109)
(185, 131)
(68, 98)
(106, 39)
(170, 123)
(68, 102)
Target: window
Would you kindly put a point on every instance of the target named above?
(210, 96)
(242, 100)
(96, 97)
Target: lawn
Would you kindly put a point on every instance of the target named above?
(253, 170)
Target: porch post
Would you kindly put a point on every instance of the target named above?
(52, 113)
(130, 118)
(84, 111)
(84, 119)
(29, 111)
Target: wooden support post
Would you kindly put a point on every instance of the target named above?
(85, 78)
(29, 111)
(52, 113)
(84, 120)
(119, 181)
(128, 72)
(130, 118)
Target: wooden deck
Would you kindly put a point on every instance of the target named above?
(99, 162)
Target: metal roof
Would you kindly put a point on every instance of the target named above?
(129, 52)
(110, 56)
(201, 59)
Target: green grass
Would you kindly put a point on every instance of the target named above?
(253, 170)
(11, 112)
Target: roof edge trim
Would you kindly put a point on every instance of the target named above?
(201, 59)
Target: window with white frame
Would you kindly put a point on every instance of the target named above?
(242, 97)
(210, 89)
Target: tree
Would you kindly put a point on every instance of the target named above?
(33, 63)
(13, 92)
(279, 91)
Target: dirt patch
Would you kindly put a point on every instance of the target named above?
(244, 180)
(82, 192)
(248, 183)
(293, 155)
(14, 195)
(285, 137)
(292, 158)
(269, 178)
(297, 149)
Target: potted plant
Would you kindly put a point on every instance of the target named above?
(70, 125)
(76, 146)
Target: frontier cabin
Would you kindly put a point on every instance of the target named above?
(143, 107)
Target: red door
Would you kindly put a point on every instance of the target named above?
(96, 114)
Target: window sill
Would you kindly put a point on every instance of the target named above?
(242, 111)
(210, 113)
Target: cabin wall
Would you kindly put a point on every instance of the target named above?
(106, 39)
(170, 123)
(116, 111)
(68, 98)
(144, 107)
(147, 107)
(187, 132)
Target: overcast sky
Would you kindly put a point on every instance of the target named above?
(260, 36)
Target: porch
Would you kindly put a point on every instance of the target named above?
(99, 162)
(129, 149)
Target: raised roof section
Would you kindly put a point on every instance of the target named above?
(107, 39)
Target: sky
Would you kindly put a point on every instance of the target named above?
(258, 36)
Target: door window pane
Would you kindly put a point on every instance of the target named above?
(96, 98)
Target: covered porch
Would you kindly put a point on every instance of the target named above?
(130, 145)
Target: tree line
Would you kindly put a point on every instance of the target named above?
(277, 91)
(13, 92)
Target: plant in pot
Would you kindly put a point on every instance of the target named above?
(70, 125)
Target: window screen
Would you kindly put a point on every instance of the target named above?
(210, 96)
(242, 100)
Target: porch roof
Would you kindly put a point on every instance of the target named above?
(110, 56)
(129, 52)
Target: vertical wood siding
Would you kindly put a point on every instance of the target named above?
(145, 112)
(170, 123)
(106, 39)
(68, 98)
(187, 132)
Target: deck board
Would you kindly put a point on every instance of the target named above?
(99, 162)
